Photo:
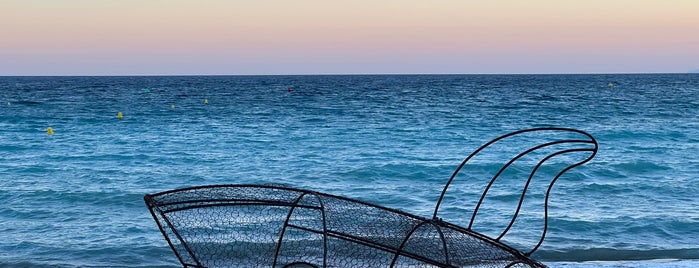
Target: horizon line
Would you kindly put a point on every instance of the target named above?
(335, 74)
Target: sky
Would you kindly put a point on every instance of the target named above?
(251, 37)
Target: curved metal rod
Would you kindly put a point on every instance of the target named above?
(524, 191)
(286, 224)
(530, 178)
(507, 165)
(174, 231)
(300, 263)
(281, 234)
(410, 234)
(548, 192)
(325, 231)
(482, 147)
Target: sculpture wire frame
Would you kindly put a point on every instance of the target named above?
(278, 226)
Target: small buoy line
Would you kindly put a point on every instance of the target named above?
(120, 115)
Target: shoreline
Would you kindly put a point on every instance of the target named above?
(677, 263)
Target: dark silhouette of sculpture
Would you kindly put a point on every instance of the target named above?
(279, 226)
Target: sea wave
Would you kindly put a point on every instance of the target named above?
(612, 254)
(388, 140)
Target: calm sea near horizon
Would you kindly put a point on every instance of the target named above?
(75, 198)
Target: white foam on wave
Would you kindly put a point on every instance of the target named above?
(659, 263)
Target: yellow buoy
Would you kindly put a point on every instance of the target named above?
(172, 106)
(206, 101)
(49, 130)
(120, 115)
(610, 85)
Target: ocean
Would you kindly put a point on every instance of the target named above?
(75, 198)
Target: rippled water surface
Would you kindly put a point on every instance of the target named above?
(75, 198)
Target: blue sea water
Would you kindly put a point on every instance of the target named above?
(75, 198)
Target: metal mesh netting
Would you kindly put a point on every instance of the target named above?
(278, 226)
(274, 226)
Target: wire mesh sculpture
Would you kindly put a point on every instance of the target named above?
(279, 226)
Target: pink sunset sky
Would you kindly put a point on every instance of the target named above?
(171, 37)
